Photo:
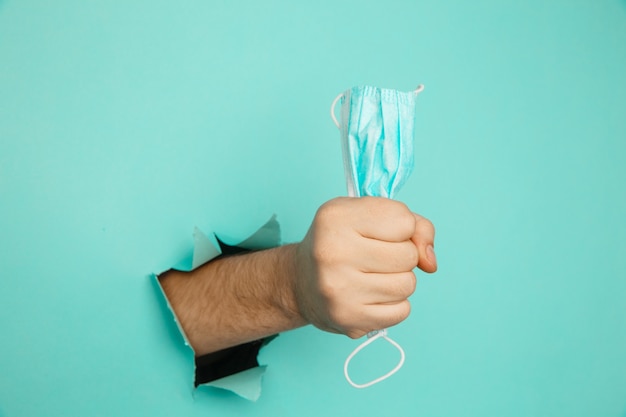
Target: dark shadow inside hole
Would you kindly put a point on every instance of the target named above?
(230, 361)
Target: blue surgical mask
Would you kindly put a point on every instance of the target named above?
(377, 143)
(377, 138)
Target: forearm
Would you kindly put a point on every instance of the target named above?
(236, 299)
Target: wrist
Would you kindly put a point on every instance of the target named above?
(286, 300)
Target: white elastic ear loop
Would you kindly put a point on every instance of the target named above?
(332, 110)
(371, 337)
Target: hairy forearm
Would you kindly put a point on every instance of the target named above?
(237, 299)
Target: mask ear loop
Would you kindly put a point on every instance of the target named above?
(371, 338)
(332, 110)
(376, 334)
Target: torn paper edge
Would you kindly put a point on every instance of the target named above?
(246, 384)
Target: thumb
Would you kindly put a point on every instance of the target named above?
(424, 239)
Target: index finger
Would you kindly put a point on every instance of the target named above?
(382, 219)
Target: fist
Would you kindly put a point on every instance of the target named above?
(355, 265)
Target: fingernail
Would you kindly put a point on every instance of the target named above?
(430, 254)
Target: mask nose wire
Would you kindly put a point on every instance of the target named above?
(418, 90)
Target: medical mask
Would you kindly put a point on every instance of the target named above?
(377, 143)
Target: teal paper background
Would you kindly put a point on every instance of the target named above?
(124, 124)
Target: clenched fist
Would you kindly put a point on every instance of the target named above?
(352, 274)
(354, 268)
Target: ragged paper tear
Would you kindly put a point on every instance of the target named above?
(246, 383)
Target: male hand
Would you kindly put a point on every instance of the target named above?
(355, 265)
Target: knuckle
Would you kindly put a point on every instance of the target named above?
(386, 206)
(404, 309)
(405, 285)
(330, 210)
(402, 209)
(410, 284)
(405, 220)
(404, 257)
(426, 224)
(412, 255)
(413, 283)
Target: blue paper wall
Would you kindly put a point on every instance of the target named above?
(125, 124)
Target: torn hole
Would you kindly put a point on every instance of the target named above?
(236, 368)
